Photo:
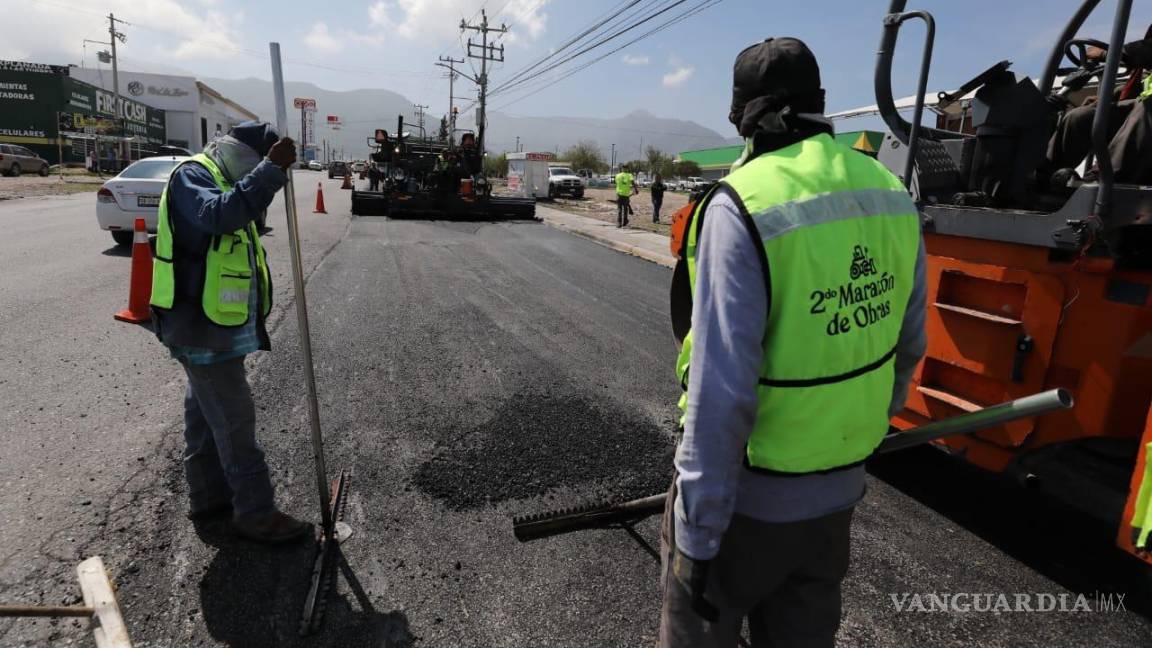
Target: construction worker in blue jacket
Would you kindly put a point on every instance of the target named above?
(803, 276)
(211, 293)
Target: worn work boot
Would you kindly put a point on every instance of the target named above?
(212, 511)
(272, 527)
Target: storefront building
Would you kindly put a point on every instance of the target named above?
(195, 112)
(59, 117)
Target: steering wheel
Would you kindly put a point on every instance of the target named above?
(1076, 50)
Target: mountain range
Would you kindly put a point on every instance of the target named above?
(362, 111)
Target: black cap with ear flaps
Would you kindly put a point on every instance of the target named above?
(258, 135)
(774, 77)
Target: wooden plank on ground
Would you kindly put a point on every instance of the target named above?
(98, 595)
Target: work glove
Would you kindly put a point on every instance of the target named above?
(692, 575)
(283, 153)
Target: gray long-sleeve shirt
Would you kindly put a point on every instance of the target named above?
(730, 308)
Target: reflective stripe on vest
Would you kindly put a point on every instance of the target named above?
(1142, 515)
(227, 268)
(1147, 87)
(840, 236)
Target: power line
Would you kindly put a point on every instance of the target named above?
(597, 23)
(674, 20)
(706, 4)
(606, 39)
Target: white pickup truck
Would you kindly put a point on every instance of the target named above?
(561, 181)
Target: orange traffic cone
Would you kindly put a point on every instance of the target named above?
(319, 200)
(140, 289)
(347, 180)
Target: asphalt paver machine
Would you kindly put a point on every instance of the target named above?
(420, 176)
(1033, 283)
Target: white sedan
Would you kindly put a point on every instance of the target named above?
(314, 165)
(135, 193)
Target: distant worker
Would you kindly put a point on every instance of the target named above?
(1130, 127)
(373, 177)
(211, 293)
(625, 188)
(806, 321)
(657, 190)
(469, 156)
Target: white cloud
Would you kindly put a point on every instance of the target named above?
(526, 18)
(635, 60)
(216, 35)
(678, 76)
(159, 30)
(439, 20)
(321, 41)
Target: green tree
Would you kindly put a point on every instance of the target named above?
(496, 166)
(685, 168)
(658, 161)
(637, 166)
(443, 135)
(585, 155)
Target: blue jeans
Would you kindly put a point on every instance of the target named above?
(222, 461)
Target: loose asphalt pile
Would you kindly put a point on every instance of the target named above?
(543, 441)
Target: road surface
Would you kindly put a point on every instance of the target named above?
(467, 372)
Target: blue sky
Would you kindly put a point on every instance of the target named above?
(683, 72)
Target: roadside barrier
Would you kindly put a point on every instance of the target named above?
(319, 200)
(140, 287)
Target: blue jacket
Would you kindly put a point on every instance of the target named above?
(198, 211)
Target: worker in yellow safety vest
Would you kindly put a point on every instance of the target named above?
(625, 189)
(211, 292)
(800, 288)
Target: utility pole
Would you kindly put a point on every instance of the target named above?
(487, 53)
(612, 164)
(117, 110)
(452, 74)
(420, 118)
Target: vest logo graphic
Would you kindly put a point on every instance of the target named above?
(859, 302)
(862, 264)
(135, 88)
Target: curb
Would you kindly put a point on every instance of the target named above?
(665, 260)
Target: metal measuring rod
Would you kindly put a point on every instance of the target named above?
(333, 530)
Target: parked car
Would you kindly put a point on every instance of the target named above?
(562, 181)
(359, 166)
(337, 169)
(314, 165)
(134, 193)
(15, 159)
(695, 183)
